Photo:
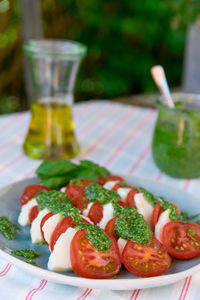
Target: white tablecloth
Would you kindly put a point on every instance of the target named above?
(111, 134)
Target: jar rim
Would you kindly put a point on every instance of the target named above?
(60, 49)
(192, 102)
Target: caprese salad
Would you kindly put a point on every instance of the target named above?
(94, 226)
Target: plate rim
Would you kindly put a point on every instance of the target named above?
(107, 284)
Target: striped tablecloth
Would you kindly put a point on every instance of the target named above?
(111, 134)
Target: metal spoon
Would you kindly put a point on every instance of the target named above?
(159, 77)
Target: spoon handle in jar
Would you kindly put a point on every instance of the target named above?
(159, 77)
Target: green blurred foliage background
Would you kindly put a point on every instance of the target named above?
(124, 38)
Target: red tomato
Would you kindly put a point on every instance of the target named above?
(30, 191)
(178, 209)
(116, 187)
(157, 210)
(146, 260)
(103, 180)
(110, 228)
(44, 219)
(95, 213)
(90, 263)
(61, 227)
(33, 213)
(182, 239)
(130, 200)
(121, 203)
(77, 194)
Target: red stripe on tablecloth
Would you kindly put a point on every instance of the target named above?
(183, 288)
(12, 161)
(137, 294)
(186, 185)
(5, 270)
(108, 132)
(133, 295)
(140, 158)
(97, 117)
(11, 123)
(79, 298)
(186, 290)
(33, 291)
(127, 140)
(87, 294)
(81, 109)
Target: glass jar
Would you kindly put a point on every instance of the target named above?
(54, 65)
(176, 139)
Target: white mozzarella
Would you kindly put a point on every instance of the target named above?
(109, 185)
(163, 219)
(143, 207)
(50, 225)
(36, 235)
(123, 192)
(121, 244)
(63, 189)
(108, 212)
(59, 259)
(23, 218)
(86, 211)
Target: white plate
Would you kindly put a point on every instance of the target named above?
(9, 206)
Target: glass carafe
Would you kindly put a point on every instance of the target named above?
(54, 65)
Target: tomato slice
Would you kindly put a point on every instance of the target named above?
(182, 239)
(44, 219)
(33, 213)
(110, 228)
(130, 200)
(61, 227)
(77, 194)
(146, 260)
(157, 211)
(30, 191)
(95, 213)
(90, 263)
(103, 180)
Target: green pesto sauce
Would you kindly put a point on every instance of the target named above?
(27, 254)
(173, 215)
(131, 225)
(7, 228)
(98, 238)
(149, 196)
(81, 226)
(96, 192)
(58, 202)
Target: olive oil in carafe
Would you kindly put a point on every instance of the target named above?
(51, 131)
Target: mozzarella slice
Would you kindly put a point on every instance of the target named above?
(123, 192)
(108, 212)
(23, 218)
(63, 189)
(59, 259)
(121, 244)
(163, 219)
(86, 211)
(50, 225)
(87, 219)
(143, 207)
(36, 235)
(109, 185)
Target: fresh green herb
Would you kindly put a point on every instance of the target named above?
(91, 171)
(131, 225)
(173, 215)
(98, 238)
(76, 181)
(7, 228)
(186, 217)
(152, 199)
(51, 168)
(55, 182)
(191, 231)
(58, 202)
(25, 253)
(96, 192)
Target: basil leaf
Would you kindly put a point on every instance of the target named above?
(55, 168)
(55, 182)
(91, 171)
